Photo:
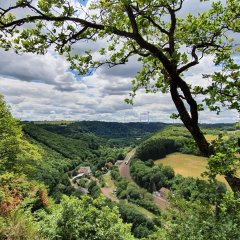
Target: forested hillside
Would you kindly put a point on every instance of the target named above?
(176, 138)
(34, 177)
(62, 155)
(112, 133)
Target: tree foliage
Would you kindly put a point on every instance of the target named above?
(166, 44)
(16, 154)
(194, 220)
(84, 219)
(156, 148)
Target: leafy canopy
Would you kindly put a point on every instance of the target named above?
(16, 154)
(158, 33)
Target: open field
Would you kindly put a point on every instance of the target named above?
(108, 180)
(187, 165)
(211, 137)
(143, 210)
(226, 135)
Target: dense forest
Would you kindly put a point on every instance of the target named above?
(109, 133)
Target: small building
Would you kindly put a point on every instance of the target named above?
(84, 190)
(164, 192)
(108, 164)
(85, 170)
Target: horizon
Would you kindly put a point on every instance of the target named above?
(145, 122)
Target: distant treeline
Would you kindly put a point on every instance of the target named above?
(105, 129)
(95, 133)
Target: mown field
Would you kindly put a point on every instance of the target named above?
(187, 165)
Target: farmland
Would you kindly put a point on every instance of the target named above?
(187, 165)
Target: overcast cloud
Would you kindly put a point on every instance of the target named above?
(43, 88)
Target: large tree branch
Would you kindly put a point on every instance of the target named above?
(190, 100)
(190, 64)
(172, 29)
(43, 17)
(132, 19)
(194, 55)
(192, 126)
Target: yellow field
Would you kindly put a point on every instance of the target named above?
(211, 137)
(187, 165)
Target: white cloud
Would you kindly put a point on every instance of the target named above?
(42, 88)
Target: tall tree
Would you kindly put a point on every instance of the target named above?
(166, 45)
(16, 154)
(10, 133)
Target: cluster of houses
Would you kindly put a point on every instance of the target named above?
(85, 172)
(82, 172)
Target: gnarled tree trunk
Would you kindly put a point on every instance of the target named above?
(190, 120)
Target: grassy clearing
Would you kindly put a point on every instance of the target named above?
(109, 182)
(235, 133)
(226, 135)
(187, 165)
(211, 137)
(143, 211)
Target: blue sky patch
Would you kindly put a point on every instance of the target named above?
(83, 2)
(80, 77)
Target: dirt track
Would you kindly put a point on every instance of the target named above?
(160, 202)
(108, 192)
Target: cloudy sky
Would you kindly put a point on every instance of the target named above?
(42, 88)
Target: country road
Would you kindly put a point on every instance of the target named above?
(124, 167)
(124, 170)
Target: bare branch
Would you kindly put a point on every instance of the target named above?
(205, 46)
(191, 64)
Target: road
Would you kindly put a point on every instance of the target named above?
(124, 170)
(161, 202)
